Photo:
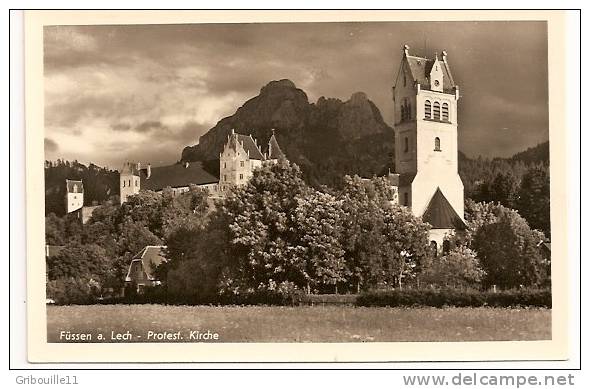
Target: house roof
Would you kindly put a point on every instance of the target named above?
(74, 186)
(440, 213)
(274, 150)
(151, 257)
(248, 143)
(177, 175)
(420, 70)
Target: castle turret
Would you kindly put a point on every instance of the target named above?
(274, 150)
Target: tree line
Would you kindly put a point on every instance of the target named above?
(279, 235)
(521, 183)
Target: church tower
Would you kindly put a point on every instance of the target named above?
(129, 180)
(426, 154)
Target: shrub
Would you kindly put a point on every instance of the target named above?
(67, 291)
(455, 297)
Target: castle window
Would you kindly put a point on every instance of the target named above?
(445, 112)
(437, 144)
(241, 163)
(446, 247)
(136, 183)
(406, 145)
(241, 176)
(403, 113)
(436, 110)
(409, 111)
(427, 109)
(405, 82)
(124, 183)
(225, 165)
(224, 177)
(434, 248)
(406, 198)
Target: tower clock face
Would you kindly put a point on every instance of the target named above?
(436, 83)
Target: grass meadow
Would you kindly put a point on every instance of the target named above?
(296, 324)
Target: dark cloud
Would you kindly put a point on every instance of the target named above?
(120, 127)
(151, 125)
(50, 145)
(145, 79)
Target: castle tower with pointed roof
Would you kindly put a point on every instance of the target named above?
(426, 154)
(74, 195)
(240, 156)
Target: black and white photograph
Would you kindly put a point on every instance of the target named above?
(297, 182)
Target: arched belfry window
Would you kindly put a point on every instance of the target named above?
(436, 110)
(437, 144)
(427, 109)
(445, 112)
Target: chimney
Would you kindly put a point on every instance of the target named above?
(148, 171)
(138, 166)
(444, 56)
(406, 50)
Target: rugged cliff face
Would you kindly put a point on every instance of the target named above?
(327, 139)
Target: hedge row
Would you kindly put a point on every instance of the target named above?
(456, 298)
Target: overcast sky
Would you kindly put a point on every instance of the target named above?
(142, 93)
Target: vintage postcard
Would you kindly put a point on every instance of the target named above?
(268, 186)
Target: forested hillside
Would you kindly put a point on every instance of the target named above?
(99, 183)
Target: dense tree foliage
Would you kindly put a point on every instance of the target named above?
(279, 235)
(101, 250)
(459, 268)
(534, 199)
(506, 246)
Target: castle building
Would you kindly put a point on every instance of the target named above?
(240, 156)
(74, 201)
(426, 154)
(74, 195)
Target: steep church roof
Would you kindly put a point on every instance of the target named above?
(274, 150)
(420, 70)
(177, 175)
(440, 213)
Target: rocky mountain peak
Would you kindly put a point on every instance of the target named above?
(310, 134)
(277, 85)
